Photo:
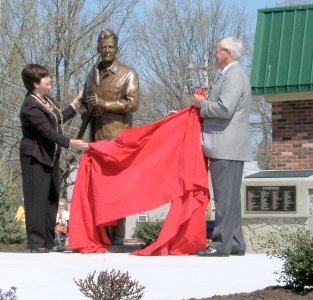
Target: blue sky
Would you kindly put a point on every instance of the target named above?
(253, 5)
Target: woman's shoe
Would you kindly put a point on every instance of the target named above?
(39, 250)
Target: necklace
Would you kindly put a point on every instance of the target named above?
(43, 100)
(52, 108)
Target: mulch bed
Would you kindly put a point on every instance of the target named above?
(13, 247)
(269, 293)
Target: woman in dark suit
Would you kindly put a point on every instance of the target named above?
(40, 150)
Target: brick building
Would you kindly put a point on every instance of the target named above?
(283, 73)
(292, 140)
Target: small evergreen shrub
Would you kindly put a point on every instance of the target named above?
(296, 251)
(148, 232)
(11, 230)
(113, 285)
(8, 295)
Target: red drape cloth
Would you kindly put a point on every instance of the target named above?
(142, 169)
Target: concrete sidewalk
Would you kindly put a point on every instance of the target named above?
(50, 276)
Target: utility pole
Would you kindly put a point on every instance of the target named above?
(203, 73)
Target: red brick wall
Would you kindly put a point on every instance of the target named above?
(292, 125)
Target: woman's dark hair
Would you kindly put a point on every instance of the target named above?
(33, 73)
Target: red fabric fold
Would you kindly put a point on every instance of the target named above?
(142, 169)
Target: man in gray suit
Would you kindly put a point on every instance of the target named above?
(226, 142)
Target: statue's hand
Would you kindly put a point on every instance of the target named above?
(101, 103)
(95, 100)
(92, 101)
(96, 105)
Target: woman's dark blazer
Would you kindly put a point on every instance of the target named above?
(41, 132)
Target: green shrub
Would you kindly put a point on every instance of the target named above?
(8, 295)
(296, 251)
(11, 230)
(110, 286)
(148, 232)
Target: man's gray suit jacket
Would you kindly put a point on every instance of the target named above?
(225, 117)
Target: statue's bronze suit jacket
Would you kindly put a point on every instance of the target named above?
(117, 90)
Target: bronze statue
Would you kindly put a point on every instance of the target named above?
(111, 94)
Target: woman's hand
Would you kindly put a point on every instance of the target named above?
(79, 145)
(80, 95)
(77, 101)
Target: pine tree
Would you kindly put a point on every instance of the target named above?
(11, 230)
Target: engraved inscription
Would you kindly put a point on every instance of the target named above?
(271, 198)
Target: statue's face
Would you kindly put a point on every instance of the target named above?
(108, 50)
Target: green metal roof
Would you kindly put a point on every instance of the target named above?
(283, 50)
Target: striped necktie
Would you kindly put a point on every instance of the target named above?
(218, 77)
(212, 85)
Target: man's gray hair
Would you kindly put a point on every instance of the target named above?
(233, 45)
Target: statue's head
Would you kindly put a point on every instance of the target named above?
(107, 46)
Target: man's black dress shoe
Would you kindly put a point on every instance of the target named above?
(118, 242)
(58, 249)
(211, 252)
(39, 250)
(238, 253)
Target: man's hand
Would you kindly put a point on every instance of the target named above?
(197, 99)
(172, 112)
